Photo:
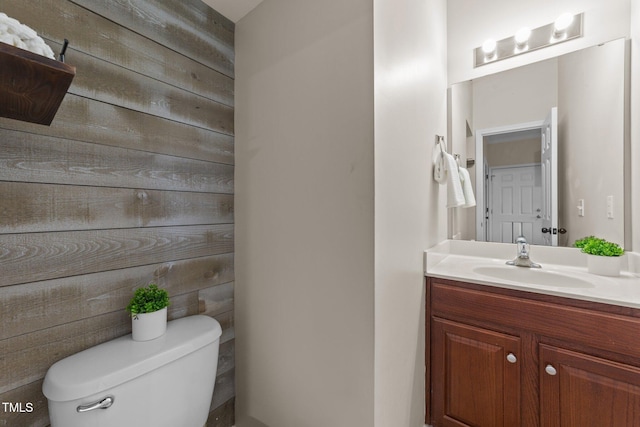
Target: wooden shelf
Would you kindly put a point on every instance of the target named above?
(31, 86)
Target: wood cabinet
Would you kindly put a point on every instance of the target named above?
(477, 374)
(503, 358)
(581, 390)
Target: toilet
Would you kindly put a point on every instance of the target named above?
(165, 382)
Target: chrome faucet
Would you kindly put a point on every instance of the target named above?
(523, 260)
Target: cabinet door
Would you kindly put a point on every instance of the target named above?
(581, 390)
(476, 376)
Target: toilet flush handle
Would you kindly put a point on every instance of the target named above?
(101, 404)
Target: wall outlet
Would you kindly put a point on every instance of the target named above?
(580, 207)
(610, 207)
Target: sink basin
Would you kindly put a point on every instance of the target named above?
(533, 276)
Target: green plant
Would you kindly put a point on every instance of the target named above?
(596, 246)
(148, 300)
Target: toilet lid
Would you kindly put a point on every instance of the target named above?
(112, 363)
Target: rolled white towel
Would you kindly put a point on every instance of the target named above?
(28, 33)
(21, 44)
(11, 39)
(46, 51)
(6, 38)
(14, 33)
(34, 47)
(13, 25)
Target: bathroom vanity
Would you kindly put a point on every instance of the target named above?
(543, 351)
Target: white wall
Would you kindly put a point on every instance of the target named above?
(471, 22)
(634, 118)
(410, 109)
(305, 274)
(305, 214)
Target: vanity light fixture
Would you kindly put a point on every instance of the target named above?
(566, 27)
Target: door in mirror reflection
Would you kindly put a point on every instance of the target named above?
(515, 204)
(522, 193)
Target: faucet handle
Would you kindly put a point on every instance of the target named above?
(522, 247)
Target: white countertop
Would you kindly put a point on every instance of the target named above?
(563, 273)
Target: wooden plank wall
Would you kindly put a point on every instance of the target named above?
(132, 183)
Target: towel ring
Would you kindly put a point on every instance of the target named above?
(441, 142)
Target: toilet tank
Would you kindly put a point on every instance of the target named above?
(165, 382)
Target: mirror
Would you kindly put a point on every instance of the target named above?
(499, 121)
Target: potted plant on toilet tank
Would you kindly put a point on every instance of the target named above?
(148, 309)
(603, 257)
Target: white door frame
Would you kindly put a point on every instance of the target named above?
(481, 225)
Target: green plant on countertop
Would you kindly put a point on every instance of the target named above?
(596, 246)
(148, 300)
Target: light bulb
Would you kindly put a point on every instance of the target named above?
(489, 46)
(563, 22)
(522, 36)
(522, 39)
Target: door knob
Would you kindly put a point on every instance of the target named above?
(546, 230)
(511, 358)
(549, 369)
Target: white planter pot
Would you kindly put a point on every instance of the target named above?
(604, 265)
(149, 326)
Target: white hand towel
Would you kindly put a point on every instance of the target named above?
(440, 168)
(455, 195)
(467, 188)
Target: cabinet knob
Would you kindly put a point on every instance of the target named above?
(511, 358)
(549, 369)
